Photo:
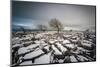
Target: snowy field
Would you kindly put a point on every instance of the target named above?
(32, 48)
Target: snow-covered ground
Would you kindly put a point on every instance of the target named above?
(50, 47)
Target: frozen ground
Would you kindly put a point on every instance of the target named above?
(51, 47)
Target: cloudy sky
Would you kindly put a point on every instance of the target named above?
(31, 14)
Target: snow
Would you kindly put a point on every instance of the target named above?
(56, 50)
(82, 49)
(73, 59)
(44, 59)
(27, 42)
(33, 54)
(60, 39)
(31, 46)
(37, 41)
(47, 48)
(86, 43)
(15, 40)
(22, 50)
(63, 49)
(26, 63)
(43, 38)
(17, 45)
(67, 35)
(61, 60)
(70, 45)
(66, 41)
(39, 35)
(82, 58)
(51, 41)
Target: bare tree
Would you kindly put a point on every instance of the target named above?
(56, 24)
(42, 27)
(87, 34)
(23, 29)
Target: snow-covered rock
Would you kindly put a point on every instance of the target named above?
(33, 54)
(56, 50)
(70, 46)
(26, 63)
(73, 59)
(63, 49)
(87, 43)
(66, 41)
(43, 42)
(22, 50)
(43, 59)
(17, 45)
(82, 58)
